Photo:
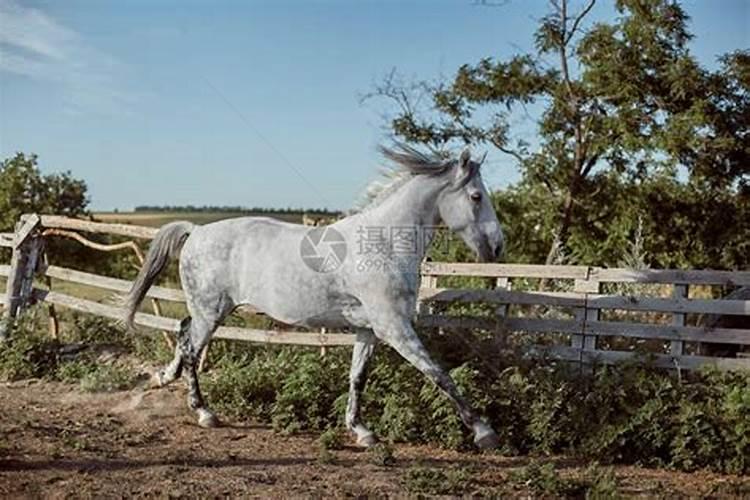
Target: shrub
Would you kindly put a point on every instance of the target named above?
(306, 398)
(431, 481)
(381, 455)
(28, 353)
(331, 439)
(107, 378)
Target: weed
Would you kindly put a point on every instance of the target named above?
(543, 479)
(331, 439)
(433, 481)
(325, 457)
(381, 454)
(600, 483)
(108, 378)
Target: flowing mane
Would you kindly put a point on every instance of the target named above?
(405, 162)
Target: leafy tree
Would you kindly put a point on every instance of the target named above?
(624, 107)
(24, 189)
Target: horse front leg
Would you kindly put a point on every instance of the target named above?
(399, 334)
(364, 347)
(171, 372)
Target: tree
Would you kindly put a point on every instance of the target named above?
(624, 105)
(24, 189)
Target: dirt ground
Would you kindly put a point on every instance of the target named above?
(59, 442)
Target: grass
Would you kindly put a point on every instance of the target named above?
(93, 377)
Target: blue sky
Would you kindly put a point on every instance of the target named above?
(249, 103)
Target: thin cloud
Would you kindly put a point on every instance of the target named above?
(35, 45)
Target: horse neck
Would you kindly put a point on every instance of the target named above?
(414, 205)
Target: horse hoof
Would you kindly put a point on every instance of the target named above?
(207, 420)
(367, 440)
(488, 441)
(157, 380)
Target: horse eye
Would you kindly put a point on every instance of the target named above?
(476, 196)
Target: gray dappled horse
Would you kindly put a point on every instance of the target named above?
(368, 285)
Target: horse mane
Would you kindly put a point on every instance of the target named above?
(405, 163)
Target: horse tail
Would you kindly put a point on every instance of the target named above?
(166, 244)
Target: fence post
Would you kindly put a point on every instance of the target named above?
(427, 281)
(23, 262)
(501, 313)
(585, 314)
(676, 347)
(54, 324)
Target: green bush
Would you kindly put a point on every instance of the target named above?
(309, 390)
(28, 352)
(620, 414)
(617, 414)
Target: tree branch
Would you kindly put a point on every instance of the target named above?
(577, 20)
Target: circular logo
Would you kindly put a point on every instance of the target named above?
(323, 249)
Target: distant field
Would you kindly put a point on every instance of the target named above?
(157, 219)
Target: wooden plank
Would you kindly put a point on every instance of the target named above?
(555, 352)
(670, 276)
(56, 221)
(676, 347)
(673, 305)
(532, 325)
(503, 270)
(501, 296)
(593, 301)
(588, 313)
(33, 248)
(668, 332)
(173, 325)
(456, 322)
(502, 284)
(427, 281)
(667, 361)
(115, 284)
(285, 337)
(6, 240)
(566, 353)
(501, 313)
(543, 325)
(589, 285)
(14, 298)
(29, 222)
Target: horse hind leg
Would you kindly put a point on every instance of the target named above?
(361, 355)
(194, 335)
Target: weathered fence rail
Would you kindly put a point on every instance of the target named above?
(586, 303)
(574, 302)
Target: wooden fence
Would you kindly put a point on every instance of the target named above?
(577, 307)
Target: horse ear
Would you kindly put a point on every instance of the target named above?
(465, 158)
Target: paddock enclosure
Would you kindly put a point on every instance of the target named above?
(580, 314)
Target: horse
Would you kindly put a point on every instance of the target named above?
(362, 272)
